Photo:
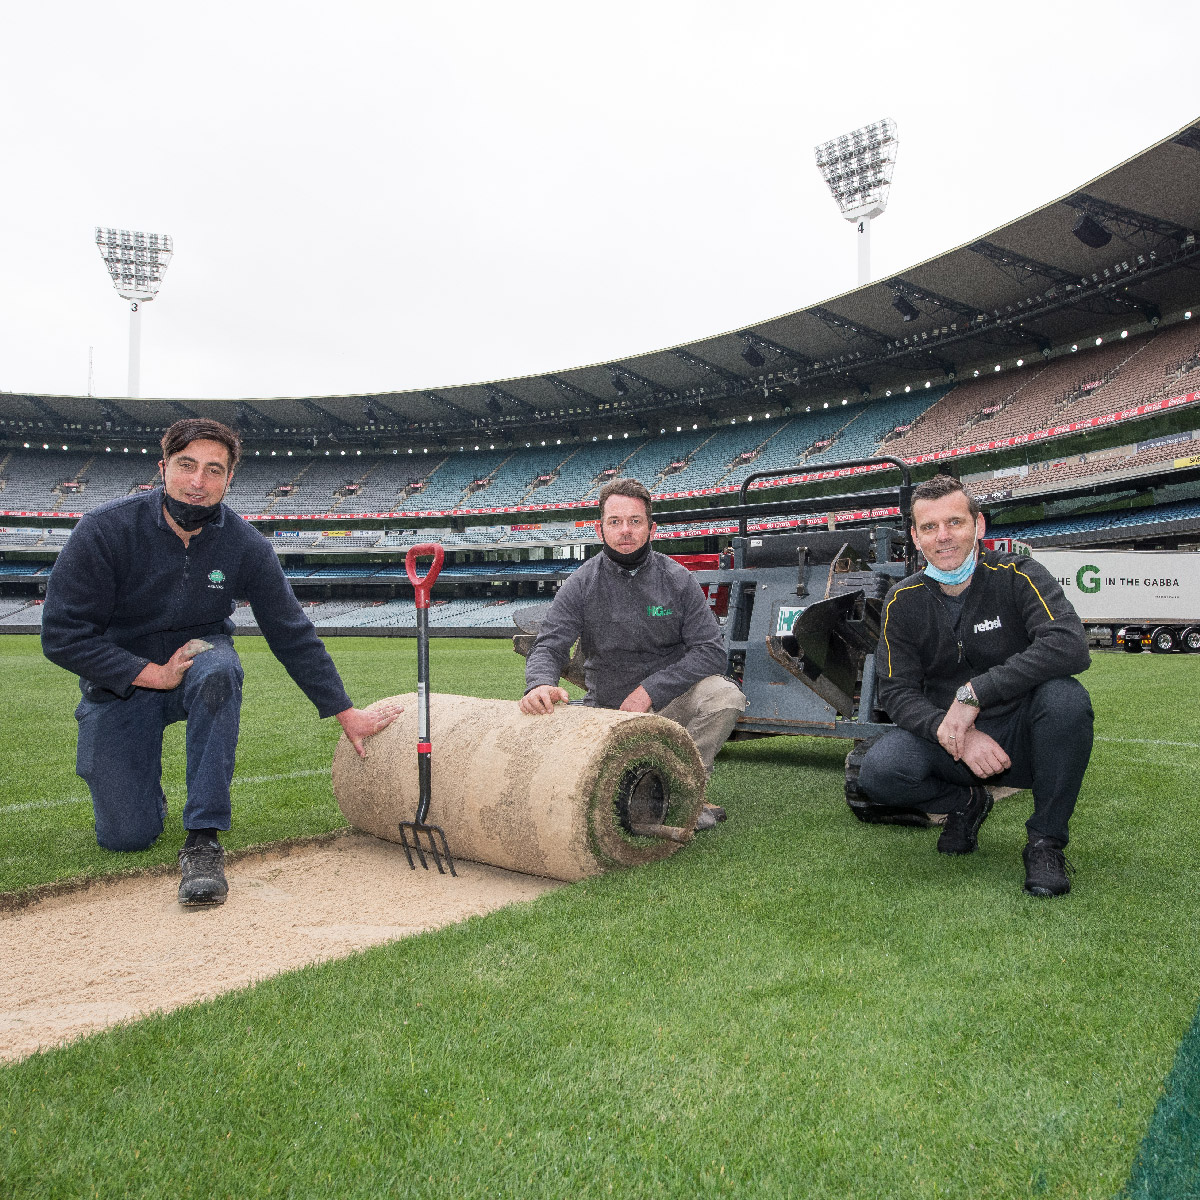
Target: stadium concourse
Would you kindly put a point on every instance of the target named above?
(1052, 363)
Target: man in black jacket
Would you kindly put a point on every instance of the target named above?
(974, 664)
(139, 607)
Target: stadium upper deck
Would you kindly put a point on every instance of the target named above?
(993, 333)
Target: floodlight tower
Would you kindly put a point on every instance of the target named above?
(858, 168)
(137, 263)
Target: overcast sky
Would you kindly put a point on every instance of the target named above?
(382, 196)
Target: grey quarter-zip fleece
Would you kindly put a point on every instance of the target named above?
(650, 627)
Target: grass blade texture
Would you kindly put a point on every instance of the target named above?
(795, 1005)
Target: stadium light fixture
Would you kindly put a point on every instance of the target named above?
(137, 263)
(752, 355)
(1091, 232)
(858, 169)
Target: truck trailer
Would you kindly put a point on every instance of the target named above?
(1144, 599)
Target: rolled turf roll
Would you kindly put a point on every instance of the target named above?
(559, 795)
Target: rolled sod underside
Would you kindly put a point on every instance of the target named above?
(566, 795)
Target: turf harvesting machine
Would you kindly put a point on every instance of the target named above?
(805, 606)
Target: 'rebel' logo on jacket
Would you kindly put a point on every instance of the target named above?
(987, 626)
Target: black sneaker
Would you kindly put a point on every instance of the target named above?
(1046, 868)
(961, 832)
(202, 868)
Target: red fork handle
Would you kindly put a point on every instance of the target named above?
(422, 584)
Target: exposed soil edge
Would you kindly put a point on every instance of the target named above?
(22, 898)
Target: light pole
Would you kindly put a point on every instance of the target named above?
(137, 263)
(858, 168)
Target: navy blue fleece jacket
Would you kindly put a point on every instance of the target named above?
(125, 592)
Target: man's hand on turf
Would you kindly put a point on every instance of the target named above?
(166, 677)
(539, 701)
(358, 724)
(952, 732)
(637, 701)
(983, 754)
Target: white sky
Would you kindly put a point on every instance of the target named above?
(381, 196)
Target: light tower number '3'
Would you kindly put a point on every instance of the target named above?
(137, 263)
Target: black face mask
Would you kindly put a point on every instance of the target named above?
(190, 517)
(629, 561)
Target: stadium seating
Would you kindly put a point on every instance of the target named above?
(448, 485)
(1064, 526)
(25, 612)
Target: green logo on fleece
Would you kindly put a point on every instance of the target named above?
(659, 610)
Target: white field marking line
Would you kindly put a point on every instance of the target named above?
(12, 808)
(279, 778)
(1149, 742)
(31, 804)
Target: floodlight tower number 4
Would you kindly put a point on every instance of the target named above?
(858, 169)
(137, 263)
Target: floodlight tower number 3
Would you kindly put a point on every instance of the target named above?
(137, 263)
(858, 169)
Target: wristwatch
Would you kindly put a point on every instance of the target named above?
(966, 695)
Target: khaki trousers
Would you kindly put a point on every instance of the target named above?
(708, 710)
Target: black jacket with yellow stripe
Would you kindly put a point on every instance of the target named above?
(1017, 630)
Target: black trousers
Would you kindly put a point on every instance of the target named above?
(1048, 738)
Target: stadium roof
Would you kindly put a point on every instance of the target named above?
(1031, 286)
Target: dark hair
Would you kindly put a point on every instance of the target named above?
(940, 486)
(180, 435)
(625, 487)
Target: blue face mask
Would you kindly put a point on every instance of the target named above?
(960, 574)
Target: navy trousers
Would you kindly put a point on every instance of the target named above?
(1048, 738)
(120, 750)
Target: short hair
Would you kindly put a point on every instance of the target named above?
(625, 487)
(183, 433)
(940, 486)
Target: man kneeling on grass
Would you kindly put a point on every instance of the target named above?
(974, 664)
(139, 607)
(650, 641)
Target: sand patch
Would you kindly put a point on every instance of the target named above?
(123, 948)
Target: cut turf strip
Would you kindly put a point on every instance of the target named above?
(124, 948)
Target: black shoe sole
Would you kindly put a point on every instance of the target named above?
(203, 902)
(1045, 893)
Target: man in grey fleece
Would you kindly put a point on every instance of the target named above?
(650, 642)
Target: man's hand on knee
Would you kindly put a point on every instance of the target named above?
(983, 754)
(166, 677)
(956, 724)
(541, 700)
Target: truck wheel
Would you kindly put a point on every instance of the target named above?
(863, 807)
(1162, 640)
(1189, 640)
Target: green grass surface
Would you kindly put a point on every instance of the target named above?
(794, 1005)
(281, 786)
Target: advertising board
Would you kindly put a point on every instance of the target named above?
(1127, 585)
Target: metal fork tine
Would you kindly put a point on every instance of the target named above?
(430, 846)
